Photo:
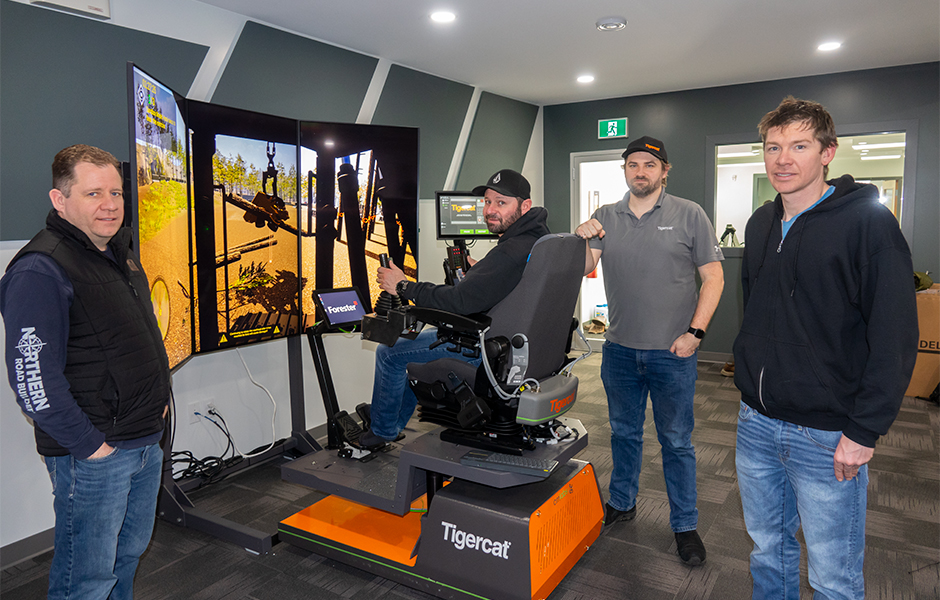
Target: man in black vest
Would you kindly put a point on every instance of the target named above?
(86, 361)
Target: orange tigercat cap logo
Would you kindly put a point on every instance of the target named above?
(651, 146)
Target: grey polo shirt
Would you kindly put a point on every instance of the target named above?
(649, 269)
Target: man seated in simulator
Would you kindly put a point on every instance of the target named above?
(509, 213)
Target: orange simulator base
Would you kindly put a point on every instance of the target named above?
(474, 542)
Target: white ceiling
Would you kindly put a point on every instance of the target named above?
(533, 50)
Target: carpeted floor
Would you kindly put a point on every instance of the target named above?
(630, 560)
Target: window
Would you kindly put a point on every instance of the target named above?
(885, 158)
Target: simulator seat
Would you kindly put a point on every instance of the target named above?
(514, 397)
(531, 517)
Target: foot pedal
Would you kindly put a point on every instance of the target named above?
(347, 427)
(364, 411)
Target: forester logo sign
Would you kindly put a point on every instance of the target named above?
(28, 374)
(465, 540)
(343, 308)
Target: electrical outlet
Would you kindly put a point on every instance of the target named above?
(193, 409)
(202, 407)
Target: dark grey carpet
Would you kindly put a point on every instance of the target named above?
(630, 560)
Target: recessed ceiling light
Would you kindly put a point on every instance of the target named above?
(443, 16)
(829, 46)
(611, 24)
(585, 79)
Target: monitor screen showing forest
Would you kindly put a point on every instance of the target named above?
(240, 216)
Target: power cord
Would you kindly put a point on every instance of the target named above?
(273, 413)
(210, 468)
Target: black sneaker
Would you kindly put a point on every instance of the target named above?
(612, 515)
(690, 548)
(369, 440)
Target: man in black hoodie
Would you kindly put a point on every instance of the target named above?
(508, 212)
(825, 352)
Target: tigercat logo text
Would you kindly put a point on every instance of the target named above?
(559, 404)
(563, 493)
(465, 540)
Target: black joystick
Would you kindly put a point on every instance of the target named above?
(386, 301)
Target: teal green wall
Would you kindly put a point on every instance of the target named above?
(683, 120)
(500, 136)
(63, 81)
(279, 73)
(437, 107)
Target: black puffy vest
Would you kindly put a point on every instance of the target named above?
(116, 364)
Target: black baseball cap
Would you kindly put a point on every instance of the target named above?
(508, 183)
(647, 144)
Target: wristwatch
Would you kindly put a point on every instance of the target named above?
(400, 286)
(699, 333)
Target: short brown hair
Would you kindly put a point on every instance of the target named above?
(63, 165)
(812, 114)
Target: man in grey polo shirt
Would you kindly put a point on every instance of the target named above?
(652, 243)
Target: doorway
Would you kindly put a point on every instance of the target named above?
(596, 180)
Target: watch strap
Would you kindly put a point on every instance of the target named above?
(699, 333)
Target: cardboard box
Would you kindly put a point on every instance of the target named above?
(927, 369)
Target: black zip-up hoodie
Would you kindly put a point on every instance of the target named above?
(493, 277)
(829, 336)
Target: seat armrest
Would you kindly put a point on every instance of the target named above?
(447, 320)
(387, 329)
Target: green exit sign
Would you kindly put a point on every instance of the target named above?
(611, 128)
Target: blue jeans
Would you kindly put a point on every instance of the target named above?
(393, 401)
(786, 477)
(630, 376)
(104, 512)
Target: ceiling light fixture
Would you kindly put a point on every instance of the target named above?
(864, 146)
(746, 164)
(443, 16)
(585, 79)
(881, 157)
(829, 46)
(739, 154)
(611, 24)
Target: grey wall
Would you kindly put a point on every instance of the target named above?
(683, 120)
(500, 136)
(278, 73)
(437, 107)
(62, 82)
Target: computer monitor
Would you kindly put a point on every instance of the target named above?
(343, 308)
(460, 216)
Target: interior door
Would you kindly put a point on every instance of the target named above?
(596, 179)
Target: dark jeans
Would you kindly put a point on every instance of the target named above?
(630, 376)
(104, 513)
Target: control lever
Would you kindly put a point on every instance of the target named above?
(386, 301)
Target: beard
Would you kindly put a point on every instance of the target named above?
(643, 188)
(503, 225)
